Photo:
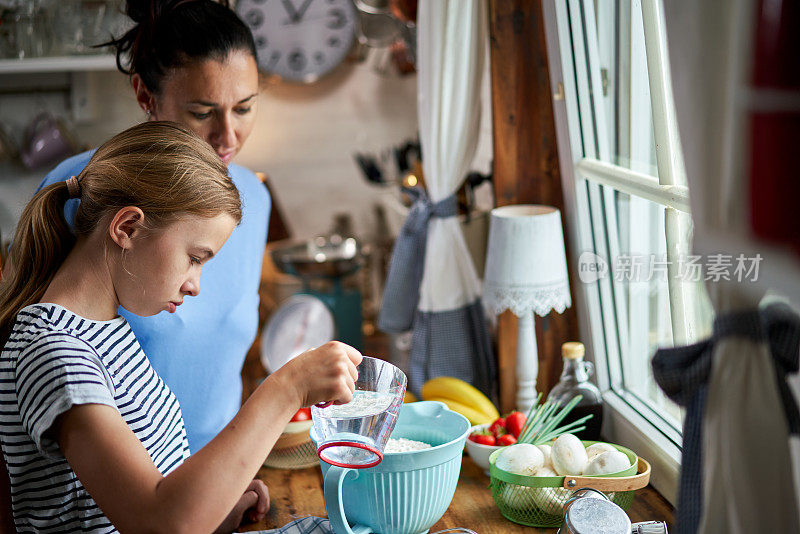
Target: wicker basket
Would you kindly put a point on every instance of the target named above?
(538, 501)
(294, 448)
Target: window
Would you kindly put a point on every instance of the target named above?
(628, 202)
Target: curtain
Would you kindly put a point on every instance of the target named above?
(432, 286)
(737, 467)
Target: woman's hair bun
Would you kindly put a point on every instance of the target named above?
(142, 10)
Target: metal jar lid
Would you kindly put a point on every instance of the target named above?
(595, 516)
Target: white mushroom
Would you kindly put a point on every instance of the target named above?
(547, 451)
(549, 500)
(520, 458)
(598, 448)
(518, 497)
(607, 463)
(569, 455)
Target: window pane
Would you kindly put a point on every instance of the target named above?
(641, 272)
(626, 111)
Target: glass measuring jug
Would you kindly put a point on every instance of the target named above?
(354, 434)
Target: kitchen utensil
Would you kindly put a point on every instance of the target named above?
(323, 264)
(301, 323)
(649, 527)
(589, 511)
(409, 491)
(538, 501)
(376, 25)
(46, 140)
(354, 435)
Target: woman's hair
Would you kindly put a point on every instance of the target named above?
(174, 33)
(161, 167)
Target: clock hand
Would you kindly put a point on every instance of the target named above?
(302, 10)
(289, 8)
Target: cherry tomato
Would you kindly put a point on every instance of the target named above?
(303, 414)
(506, 439)
(481, 438)
(498, 427)
(514, 423)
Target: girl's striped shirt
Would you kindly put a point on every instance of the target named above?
(54, 360)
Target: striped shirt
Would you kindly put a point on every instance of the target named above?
(54, 360)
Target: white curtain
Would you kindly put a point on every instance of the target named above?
(452, 36)
(747, 475)
(432, 286)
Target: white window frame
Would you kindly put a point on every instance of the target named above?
(583, 156)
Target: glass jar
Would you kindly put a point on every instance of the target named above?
(575, 381)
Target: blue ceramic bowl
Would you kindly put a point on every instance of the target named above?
(408, 492)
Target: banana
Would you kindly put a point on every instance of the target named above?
(475, 417)
(448, 387)
(409, 397)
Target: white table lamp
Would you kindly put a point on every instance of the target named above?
(526, 272)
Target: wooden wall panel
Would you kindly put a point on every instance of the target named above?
(525, 165)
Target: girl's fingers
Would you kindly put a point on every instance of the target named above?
(263, 496)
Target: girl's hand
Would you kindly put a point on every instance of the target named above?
(327, 373)
(254, 501)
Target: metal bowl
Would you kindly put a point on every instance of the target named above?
(322, 257)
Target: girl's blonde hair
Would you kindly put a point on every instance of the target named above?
(161, 167)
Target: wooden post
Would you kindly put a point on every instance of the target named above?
(525, 166)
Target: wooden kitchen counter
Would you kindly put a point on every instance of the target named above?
(298, 493)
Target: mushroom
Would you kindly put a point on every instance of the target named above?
(607, 463)
(547, 451)
(568, 455)
(598, 448)
(520, 459)
(549, 500)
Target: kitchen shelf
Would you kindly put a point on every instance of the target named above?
(58, 64)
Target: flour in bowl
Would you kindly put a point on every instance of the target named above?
(404, 445)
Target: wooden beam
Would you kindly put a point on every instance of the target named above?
(525, 165)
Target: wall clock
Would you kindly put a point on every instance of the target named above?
(300, 40)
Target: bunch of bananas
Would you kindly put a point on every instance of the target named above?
(461, 397)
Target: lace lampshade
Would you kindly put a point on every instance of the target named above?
(526, 272)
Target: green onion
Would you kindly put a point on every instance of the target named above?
(542, 423)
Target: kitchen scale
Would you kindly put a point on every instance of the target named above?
(323, 265)
(301, 323)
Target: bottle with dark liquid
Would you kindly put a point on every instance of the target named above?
(575, 381)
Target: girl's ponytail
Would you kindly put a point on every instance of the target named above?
(41, 243)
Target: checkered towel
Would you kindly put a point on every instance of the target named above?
(306, 525)
(401, 292)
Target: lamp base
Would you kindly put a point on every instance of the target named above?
(527, 363)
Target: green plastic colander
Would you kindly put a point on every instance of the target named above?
(538, 501)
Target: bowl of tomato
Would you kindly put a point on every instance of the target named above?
(484, 439)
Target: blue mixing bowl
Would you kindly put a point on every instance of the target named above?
(408, 492)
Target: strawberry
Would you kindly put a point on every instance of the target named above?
(498, 427)
(482, 437)
(506, 439)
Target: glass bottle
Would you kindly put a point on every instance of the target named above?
(575, 381)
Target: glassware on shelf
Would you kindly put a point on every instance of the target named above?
(26, 31)
(575, 381)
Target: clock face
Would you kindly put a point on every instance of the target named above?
(300, 40)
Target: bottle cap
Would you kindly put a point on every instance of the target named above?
(572, 350)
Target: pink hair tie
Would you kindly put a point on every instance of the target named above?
(74, 187)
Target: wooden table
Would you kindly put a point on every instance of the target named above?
(298, 493)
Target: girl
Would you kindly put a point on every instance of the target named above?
(194, 62)
(92, 438)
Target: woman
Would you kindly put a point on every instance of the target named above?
(194, 62)
(93, 440)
